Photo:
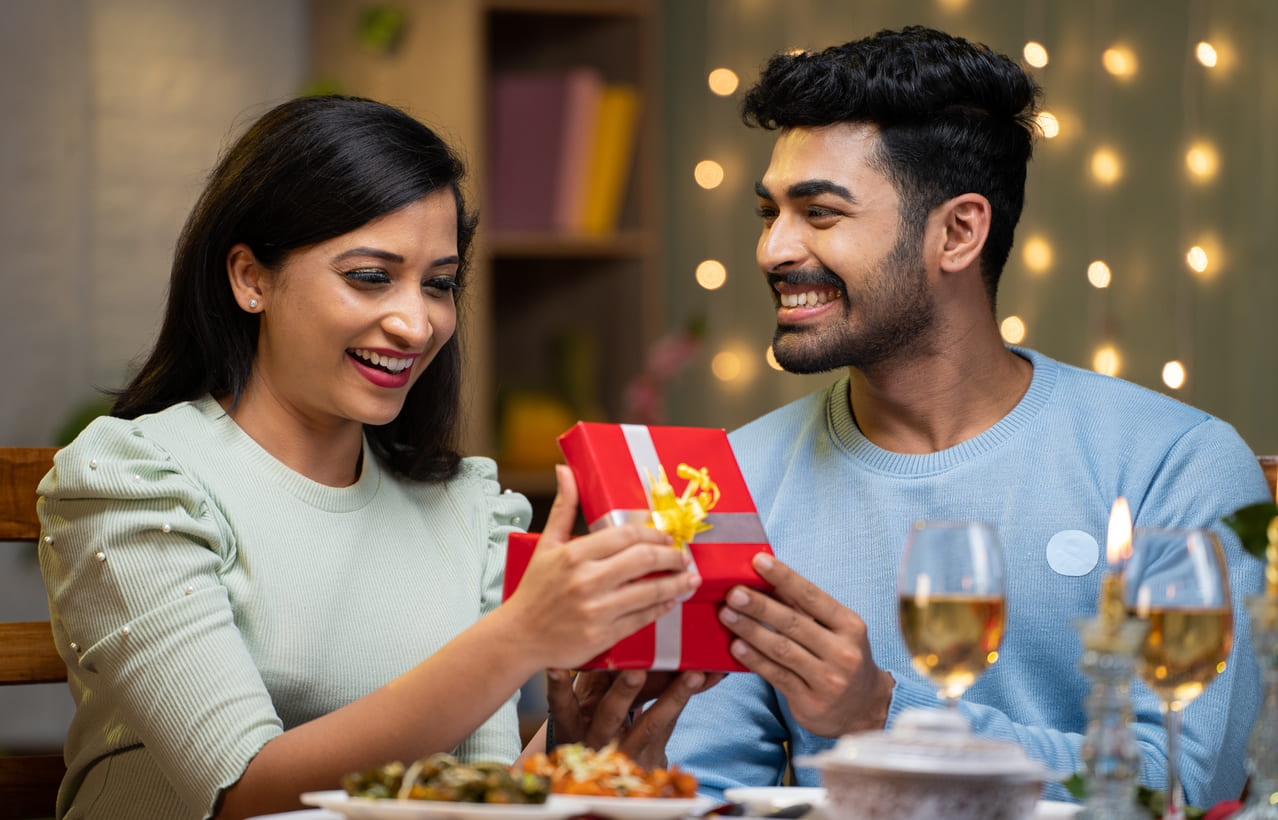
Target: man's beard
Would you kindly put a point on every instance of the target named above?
(895, 311)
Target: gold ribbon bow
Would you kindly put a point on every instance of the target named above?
(683, 517)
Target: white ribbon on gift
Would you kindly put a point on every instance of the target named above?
(726, 528)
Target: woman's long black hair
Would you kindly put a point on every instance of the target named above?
(308, 170)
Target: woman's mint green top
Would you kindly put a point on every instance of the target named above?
(206, 598)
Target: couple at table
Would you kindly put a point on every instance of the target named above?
(270, 565)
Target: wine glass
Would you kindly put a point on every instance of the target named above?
(1177, 581)
(951, 597)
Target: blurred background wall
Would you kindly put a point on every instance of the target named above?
(1155, 155)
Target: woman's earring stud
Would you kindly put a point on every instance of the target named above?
(252, 304)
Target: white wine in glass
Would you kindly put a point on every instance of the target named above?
(951, 602)
(1177, 581)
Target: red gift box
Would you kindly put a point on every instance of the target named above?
(612, 464)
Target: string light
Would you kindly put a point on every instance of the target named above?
(1174, 375)
(723, 81)
(1037, 254)
(1013, 330)
(1206, 54)
(1119, 61)
(1202, 161)
(1035, 54)
(726, 366)
(771, 359)
(708, 174)
(1048, 125)
(1107, 361)
(1106, 167)
(1197, 259)
(711, 274)
(1098, 274)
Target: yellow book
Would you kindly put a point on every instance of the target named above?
(611, 159)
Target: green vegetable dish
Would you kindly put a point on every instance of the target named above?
(443, 777)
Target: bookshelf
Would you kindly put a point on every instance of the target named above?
(538, 299)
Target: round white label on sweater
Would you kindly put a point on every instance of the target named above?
(1072, 552)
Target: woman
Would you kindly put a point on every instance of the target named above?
(269, 566)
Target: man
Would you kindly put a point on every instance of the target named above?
(888, 210)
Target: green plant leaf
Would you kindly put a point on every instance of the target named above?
(1252, 524)
(1076, 786)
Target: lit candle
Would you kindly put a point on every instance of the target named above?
(1118, 548)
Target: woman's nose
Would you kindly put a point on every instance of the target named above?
(409, 323)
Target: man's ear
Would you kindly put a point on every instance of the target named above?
(246, 277)
(965, 222)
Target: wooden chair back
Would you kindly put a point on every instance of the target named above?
(28, 783)
(1270, 465)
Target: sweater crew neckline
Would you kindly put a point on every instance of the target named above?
(848, 436)
(313, 493)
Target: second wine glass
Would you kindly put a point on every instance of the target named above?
(1176, 579)
(951, 592)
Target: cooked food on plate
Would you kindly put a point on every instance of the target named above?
(608, 772)
(443, 777)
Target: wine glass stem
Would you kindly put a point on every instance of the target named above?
(1175, 802)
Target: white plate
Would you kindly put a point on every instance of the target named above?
(637, 808)
(1055, 810)
(364, 808)
(765, 799)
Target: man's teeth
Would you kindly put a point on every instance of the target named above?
(388, 363)
(811, 298)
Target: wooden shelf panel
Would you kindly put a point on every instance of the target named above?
(622, 245)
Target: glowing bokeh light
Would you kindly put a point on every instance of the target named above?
(1174, 375)
(709, 174)
(1107, 361)
(723, 81)
(1013, 330)
(1206, 54)
(1048, 124)
(771, 359)
(1098, 274)
(1106, 167)
(1197, 259)
(1119, 61)
(711, 274)
(726, 366)
(1037, 254)
(1035, 54)
(1202, 160)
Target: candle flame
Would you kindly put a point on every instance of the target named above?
(1118, 544)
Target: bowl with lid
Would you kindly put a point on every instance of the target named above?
(928, 765)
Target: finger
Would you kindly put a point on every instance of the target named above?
(784, 679)
(613, 711)
(564, 708)
(641, 595)
(785, 641)
(797, 591)
(609, 541)
(563, 510)
(647, 738)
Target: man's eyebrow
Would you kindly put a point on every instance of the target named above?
(376, 253)
(808, 188)
(816, 187)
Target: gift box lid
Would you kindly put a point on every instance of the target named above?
(613, 464)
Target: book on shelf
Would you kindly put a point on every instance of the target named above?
(611, 159)
(542, 124)
(562, 146)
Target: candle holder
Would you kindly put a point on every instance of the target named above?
(1262, 750)
(1109, 752)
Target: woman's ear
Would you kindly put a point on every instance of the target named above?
(965, 219)
(246, 274)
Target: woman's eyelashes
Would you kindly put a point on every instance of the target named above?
(443, 284)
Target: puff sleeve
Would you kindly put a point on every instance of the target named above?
(132, 555)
